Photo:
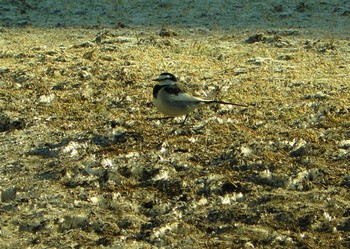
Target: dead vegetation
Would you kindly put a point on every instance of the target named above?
(85, 164)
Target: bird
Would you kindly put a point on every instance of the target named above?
(171, 100)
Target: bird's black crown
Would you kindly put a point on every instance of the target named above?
(168, 76)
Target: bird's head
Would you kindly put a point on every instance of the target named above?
(166, 79)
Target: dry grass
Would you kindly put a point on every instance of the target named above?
(273, 174)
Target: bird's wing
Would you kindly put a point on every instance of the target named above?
(184, 97)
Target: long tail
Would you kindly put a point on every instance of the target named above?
(223, 103)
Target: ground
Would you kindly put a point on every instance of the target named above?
(86, 160)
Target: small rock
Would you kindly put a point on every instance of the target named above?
(89, 55)
(4, 70)
(46, 99)
(257, 61)
(255, 38)
(284, 57)
(278, 8)
(120, 25)
(346, 13)
(73, 222)
(318, 95)
(8, 194)
(22, 23)
(239, 71)
(166, 33)
(344, 144)
(346, 181)
(84, 45)
(6, 124)
(344, 225)
(284, 32)
(302, 7)
(32, 227)
(299, 150)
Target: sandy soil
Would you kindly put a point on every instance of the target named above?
(85, 161)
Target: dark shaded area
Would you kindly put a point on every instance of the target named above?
(53, 150)
(8, 124)
(328, 16)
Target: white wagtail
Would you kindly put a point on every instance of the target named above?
(171, 100)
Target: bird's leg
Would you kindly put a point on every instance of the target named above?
(183, 122)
